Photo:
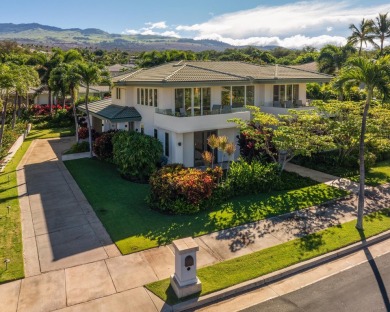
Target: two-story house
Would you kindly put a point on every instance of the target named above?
(183, 103)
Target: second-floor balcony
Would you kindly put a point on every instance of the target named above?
(182, 121)
(282, 108)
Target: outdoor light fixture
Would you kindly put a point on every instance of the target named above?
(6, 261)
(179, 143)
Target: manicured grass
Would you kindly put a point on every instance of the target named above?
(10, 225)
(379, 174)
(238, 270)
(51, 133)
(133, 226)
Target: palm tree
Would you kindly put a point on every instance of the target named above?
(381, 29)
(91, 74)
(73, 79)
(362, 34)
(332, 58)
(58, 83)
(45, 63)
(375, 75)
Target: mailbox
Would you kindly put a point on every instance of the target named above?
(184, 281)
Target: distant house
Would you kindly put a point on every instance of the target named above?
(118, 69)
(183, 103)
(41, 95)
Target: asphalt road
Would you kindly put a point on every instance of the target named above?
(362, 288)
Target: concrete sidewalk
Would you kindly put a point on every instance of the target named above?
(71, 263)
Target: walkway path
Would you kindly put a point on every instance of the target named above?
(71, 263)
(322, 177)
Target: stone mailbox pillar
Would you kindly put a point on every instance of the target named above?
(185, 282)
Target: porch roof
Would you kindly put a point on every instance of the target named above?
(104, 109)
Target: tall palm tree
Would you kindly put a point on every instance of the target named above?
(332, 58)
(381, 29)
(58, 83)
(45, 63)
(91, 74)
(375, 75)
(362, 34)
(73, 79)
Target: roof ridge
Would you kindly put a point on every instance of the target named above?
(304, 70)
(130, 74)
(174, 72)
(218, 71)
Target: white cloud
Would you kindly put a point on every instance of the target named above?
(328, 29)
(308, 17)
(297, 41)
(158, 25)
(150, 29)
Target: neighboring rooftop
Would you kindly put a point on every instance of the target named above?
(312, 66)
(219, 72)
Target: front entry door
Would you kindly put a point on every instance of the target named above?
(200, 145)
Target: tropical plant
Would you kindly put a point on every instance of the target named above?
(362, 34)
(136, 155)
(91, 74)
(332, 58)
(375, 75)
(381, 29)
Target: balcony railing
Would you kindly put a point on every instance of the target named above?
(217, 110)
(290, 104)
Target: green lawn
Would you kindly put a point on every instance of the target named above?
(10, 226)
(379, 174)
(238, 270)
(133, 226)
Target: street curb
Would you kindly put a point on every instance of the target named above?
(278, 275)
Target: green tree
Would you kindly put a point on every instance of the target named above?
(299, 133)
(332, 58)
(7, 85)
(45, 63)
(375, 75)
(91, 74)
(362, 34)
(381, 29)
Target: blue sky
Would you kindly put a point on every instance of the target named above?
(287, 23)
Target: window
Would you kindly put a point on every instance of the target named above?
(195, 101)
(238, 96)
(118, 93)
(155, 134)
(284, 93)
(167, 144)
(155, 98)
(148, 97)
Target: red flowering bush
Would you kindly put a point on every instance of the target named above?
(103, 147)
(179, 190)
(43, 110)
(83, 133)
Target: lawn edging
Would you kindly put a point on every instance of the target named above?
(278, 275)
(337, 241)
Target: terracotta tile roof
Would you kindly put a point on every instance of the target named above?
(203, 71)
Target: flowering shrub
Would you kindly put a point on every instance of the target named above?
(83, 133)
(179, 190)
(41, 110)
(103, 146)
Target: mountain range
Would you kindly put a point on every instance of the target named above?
(37, 34)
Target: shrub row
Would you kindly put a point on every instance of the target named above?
(179, 190)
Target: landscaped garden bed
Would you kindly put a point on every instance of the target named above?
(134, 226)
